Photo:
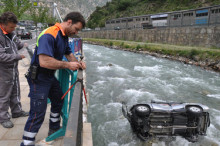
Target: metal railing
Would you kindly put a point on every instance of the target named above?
(66, 78)
(75, 123)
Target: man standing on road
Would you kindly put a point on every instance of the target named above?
(52, 45)
(9, 76)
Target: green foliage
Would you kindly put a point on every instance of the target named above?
(183, 53)
(146, 46)
(138, 47)
(124, 4)
(193, 53)
(50, 20)
(127, 46)
(18, 7)
(38, 14)
(215, 47)
(1, 11)
(126, 8)
(111, 43)
(122, 44)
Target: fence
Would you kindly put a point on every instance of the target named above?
(66, 78)
(75, 123)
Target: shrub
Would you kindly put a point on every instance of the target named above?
(214, 47)
(111, 43)
(122, 44)
(193, 53)
(138, 47)
(127, 46)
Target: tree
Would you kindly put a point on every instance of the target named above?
(38, 15)
(18, 7)
(41, 15)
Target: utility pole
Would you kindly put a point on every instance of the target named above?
(57, 12)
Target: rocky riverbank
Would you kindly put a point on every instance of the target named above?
(206, 64)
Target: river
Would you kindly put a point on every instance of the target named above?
(114, 76)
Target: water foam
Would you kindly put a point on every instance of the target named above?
(214, 96)
(103, 68)
(144, 69)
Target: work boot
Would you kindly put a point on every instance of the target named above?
(21, 114)
(7, 124)
(51, 131)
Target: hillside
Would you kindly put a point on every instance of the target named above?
(125, 8)
(86, 7)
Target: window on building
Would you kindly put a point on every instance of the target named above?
(202, 14)
(215, 11)
(123, 21)
(177, 15)
(188, 14)
(130, 20)
(159, 18)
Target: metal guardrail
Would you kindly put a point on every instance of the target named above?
(73, 136)
(66, 78)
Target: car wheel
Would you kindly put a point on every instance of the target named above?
(142, 110)
(194, 110)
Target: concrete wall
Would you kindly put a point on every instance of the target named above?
(188, 36)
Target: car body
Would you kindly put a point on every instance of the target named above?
(24, 34)
(168, 119)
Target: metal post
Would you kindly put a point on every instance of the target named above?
(56, 10)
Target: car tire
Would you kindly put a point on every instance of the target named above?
(142, 110)
(194, 111)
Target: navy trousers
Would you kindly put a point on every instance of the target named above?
(44, 87)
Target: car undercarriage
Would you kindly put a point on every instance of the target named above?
(163, 119)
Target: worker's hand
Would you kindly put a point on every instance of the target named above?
(74, 65)
(83, 64)
(26, 45)
(22, 56)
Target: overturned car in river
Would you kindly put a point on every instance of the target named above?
(167, 120)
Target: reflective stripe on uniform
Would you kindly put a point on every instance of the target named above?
(29, 134)
(55, 119)
(28, 142)
(40, 36)
(54, 114)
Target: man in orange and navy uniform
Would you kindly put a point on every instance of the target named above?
(52, 45)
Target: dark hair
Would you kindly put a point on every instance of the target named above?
(75, 17)
(8, 17)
